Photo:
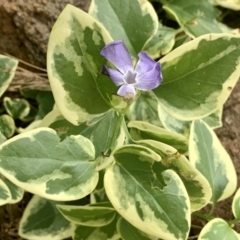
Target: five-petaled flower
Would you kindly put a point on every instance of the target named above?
(145, 76)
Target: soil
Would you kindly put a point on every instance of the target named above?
(24, 29)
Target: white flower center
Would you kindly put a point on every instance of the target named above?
(130, 77)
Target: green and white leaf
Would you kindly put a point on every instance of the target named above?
(16, 108)
(94, 215)
(5, 195)
(41, 220)
(123, 19)
(16, 193)
(140, 130)
(108, 232)
(236, 205)
(7, 125)
(156, 203)
(162, 42)
(81, 92)
(208, 155)
(129, 232)
(197, 186)
(199, 75)
(231, 4)
(218, 229)
(145, 109)
(2, 137)
(214, 120)
(52, 169)
(8, 67)
(195, 17)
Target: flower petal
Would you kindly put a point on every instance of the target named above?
(144, 64)
(126, 90)
(116, 52)
(116, 76)
(149, 80)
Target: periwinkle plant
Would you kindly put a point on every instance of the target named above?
(120, 169)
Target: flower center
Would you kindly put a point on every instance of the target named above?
(130, 76)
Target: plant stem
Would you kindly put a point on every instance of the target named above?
(203, 216)
(232, 222)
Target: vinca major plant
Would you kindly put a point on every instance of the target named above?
(129, 150)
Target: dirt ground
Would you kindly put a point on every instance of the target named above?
(24, 31)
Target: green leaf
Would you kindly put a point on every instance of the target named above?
(8, 67)
(195, 17)
(5, 194)
(197, 186)
(145, 109)
(50, 168)
(16, 193)
(218, 229)
(129, 232)
(100, 133)
(74, 63)
(7, 125)
(93, 215)
(162, 42)
(108, 232)
(208, 155)
(231, 4)
(124, 19)
(214, 120)
(142, 130)
(198, 76)
(236, 205)
(41, 220)
(16, 108)
(156, 203)
(2, 137)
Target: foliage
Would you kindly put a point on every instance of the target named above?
(104, 166)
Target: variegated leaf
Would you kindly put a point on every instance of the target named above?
(128, 232)
(38, 162)
(195, 17)
(7, 125)
(41, 221)
(197, 186)
(100, 132)
(211, 159)
(108, 232)
(155, 202)
(8, 67)
(93, 215)
(141, 130)
(145, 109)
(214, 120)
(16, 108)
(162, 42)
(199, 76)
(16, 193)
(74, 64)
(2, 137)
(5, 195)
(218, 229)
(231, 4)
(236, 205)
(124, 18)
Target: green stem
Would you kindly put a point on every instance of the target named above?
(232, 222)
(203, 216)
(211, 210)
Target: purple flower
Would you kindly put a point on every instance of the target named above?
(145, 76)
